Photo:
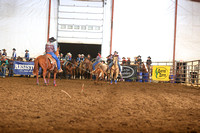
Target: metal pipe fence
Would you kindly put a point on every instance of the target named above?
(186, 72)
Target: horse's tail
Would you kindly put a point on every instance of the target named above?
(35, 69)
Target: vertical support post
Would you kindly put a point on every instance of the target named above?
(49, 17)
(111, 36)
(174, 48)
(58, 4)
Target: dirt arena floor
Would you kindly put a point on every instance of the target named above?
(125, 107)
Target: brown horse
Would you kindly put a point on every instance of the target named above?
(68, 69)
(141, 68)
(85, 67)
(71, 68)
(44, 62)
(114, 70)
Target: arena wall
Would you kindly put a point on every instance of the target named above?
(140, 28)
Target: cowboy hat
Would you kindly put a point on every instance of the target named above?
(139, 55)
(14, 49)
(4, 49)
(52, 39)
(109, 55)
(116, 52)
(26, 50)
(149, 57)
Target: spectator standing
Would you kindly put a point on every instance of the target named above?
(14, 54)
(135, 60)
(123, 61)
(27, 55)
(139, 60)
(4, 52)
(148, 63)
(128, 62)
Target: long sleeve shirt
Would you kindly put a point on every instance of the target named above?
(4, 62)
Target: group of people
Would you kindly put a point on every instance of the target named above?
(4, 61)
(14, 54)
(51, 47)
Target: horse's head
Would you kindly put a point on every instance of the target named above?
(115, 60)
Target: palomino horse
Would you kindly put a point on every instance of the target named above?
(100, 71)
(114, 70)
(44, 62)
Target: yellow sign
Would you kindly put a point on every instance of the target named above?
(161, 73)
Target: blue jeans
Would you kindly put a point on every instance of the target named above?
(10, 72)
(56, 58)
(110, 65)
(3, 69)
(93, 66)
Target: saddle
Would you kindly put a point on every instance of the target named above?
(52, 61)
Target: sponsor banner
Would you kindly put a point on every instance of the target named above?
(129, 72)
(161, 73)
(23, 68)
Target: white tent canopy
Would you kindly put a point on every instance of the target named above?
(143, 28)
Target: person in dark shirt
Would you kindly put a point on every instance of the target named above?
(128, 62)
(109, 59)
(148, 63)
(139, 60)
(123, 61)
(4, 52)
(27, 55)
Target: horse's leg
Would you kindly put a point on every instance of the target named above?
(54, 78)
(74, 73)
(71, 73)
(111, 76)
(83, 74)
(80, 72)
(37, 78)
(49, 74)
(44, 76)
(116, 75)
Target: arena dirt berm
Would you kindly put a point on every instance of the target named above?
(125, 107)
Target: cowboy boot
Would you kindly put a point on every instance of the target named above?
(60, 71)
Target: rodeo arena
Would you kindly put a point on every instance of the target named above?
(88, 66)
